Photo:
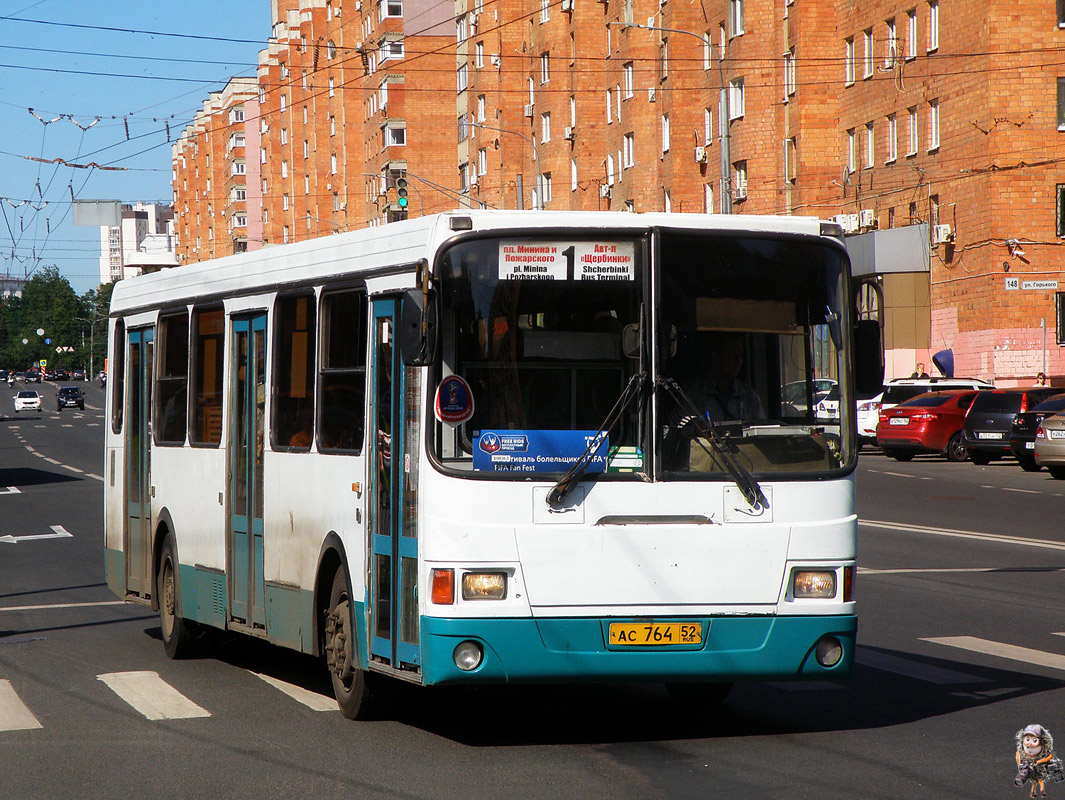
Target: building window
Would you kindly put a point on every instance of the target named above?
(667, 201)
(480, 108)
(708, 126)
(545, 10)
(545, 67)
(892, 44)
(626, 72)
(609, 106)
(306, 149)
(482, 161)
(461, 29)
(870, 154)
(892, 138)
(545, 187)
(708, 198)
(333, 164)
(240, 221)
(391, 8)
(1059, 304)
(848, 76)
(462, 78)
(933, 25)
(236, 115)
(332, 88)
(573, 175)
(464, 177)
(395, 136)
(545, 128)
(284, 234)
(914, 134)
(240, 194)
(284, 202)
(736, 99)
(933, 124)
(911, 34)
(610, 170)
(791, 160)
(330, 50)
(628, 150)
(284, 169)
(867, 37)
(739, 179)
(663, 60)
(789, 73)
(332, 126)
(1061, 104)
(479, 57)
(735, 17)
(389, 49)
(1060, 192)
(463, 127)
(665, 133)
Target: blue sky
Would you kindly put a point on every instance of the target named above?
(104, 80)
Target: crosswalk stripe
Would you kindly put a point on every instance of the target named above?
(1010, 651)
(313, 700)
(14, 716)
(928, 673)
(152, 696)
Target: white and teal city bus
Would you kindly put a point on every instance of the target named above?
(478, 447)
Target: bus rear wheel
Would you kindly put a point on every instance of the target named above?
(341, 653)
(178, 634)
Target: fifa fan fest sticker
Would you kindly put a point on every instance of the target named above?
(537, 451)
(454, 401)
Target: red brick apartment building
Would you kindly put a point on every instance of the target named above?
(928, 128)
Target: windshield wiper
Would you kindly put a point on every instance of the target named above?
(568, 481)
(722, 448)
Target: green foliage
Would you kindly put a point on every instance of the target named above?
(48, 303)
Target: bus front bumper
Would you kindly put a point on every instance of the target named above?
(577, 649)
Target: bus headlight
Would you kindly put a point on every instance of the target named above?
(484, 586)
(814, 583)
(468, 655)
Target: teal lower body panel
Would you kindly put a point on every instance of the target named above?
(576, 650)
(115, 570)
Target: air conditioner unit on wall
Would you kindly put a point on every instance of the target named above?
(700, 155)
(528, 109)
(740, 192)
(849, 222)
(866, 218)
(942, 234)
(604, 191)
(567, 5)
(567, 132)
(651, 94)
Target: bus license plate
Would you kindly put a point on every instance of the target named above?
(647, 634)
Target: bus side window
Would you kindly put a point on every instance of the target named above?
(118, 376)
(294, 370)
(342, 375)
(207, 364)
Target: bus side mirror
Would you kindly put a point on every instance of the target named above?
(868, 357)
(417, 328)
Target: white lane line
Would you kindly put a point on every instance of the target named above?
(898, 474)
(921, 571)
(152, 696)
(63, 605)
(1009, 651)
(53, 461)
(14, 716)
(72, 469)
(313, 700)
(885, 662)
(1021, 491)
(94, 475)
(952, 532)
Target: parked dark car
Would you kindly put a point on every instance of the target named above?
(987, 425)
(928, 423)
(1022, 433)
(69, 397)
(77, 375)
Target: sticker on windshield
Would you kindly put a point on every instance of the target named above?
(532, 261)
(536, 451)
(562, 261)
(454, 401)
(605, 262)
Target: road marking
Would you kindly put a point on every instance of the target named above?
(313, 700)
(11, 490)
(58, 532)
(1021, 491)
(63, 605)
(152, 696)
(898, 474)
(72, 469)
(952, 532)
(93, 475)
(14, 715)
(885, 662)
(1009, 651)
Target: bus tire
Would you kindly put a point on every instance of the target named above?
(178, 634)
(350, 685)
(694, 696)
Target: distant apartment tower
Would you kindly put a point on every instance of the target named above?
(216, 186)
(143, 242)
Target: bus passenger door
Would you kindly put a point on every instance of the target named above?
(247, 404)
(138, 534)
(394, 415)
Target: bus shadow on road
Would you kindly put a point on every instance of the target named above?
(22, 477)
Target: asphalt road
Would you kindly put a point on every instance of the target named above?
(962, 643)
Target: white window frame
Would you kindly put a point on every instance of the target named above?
(848, 64)
(545, 127)
(395, 135)
(627, 78)
(545, 68)
(933, 25)
(482, 161)
(789, 74)
(735, 18)
(852, 150)
(478, 58)
(462, 79)
(573, 175)
(933, 124)
(628, 150)
(736, 99)
(870, 145)
(892, 139)
(911, 34)
(914, 132)
(892, 36)
(868, 56)
(708, 126)
(665, 133)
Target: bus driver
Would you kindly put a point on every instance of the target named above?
(720, 392)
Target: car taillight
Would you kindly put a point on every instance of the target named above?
(883, 416)
(925, 416)
(1039, 433)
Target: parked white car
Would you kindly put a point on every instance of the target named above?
(27, 401)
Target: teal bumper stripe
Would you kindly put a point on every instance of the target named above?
(541, 650)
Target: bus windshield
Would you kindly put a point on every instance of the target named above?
(738, 338)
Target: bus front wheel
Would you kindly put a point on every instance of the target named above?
(349, 682)
(177, 632)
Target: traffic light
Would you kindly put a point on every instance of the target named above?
(401, 190)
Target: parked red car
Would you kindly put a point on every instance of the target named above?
(928, 423)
